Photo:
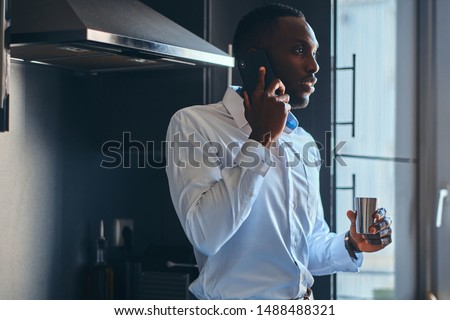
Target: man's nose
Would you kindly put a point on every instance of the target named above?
(313, 66)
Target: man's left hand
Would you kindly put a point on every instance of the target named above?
(380, 232)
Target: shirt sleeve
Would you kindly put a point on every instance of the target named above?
(327, 249)
(211, 198)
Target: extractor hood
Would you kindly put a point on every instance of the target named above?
(105, 35)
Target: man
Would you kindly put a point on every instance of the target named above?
(246, 193)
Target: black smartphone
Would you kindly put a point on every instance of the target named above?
(249, 69)
(249, 66)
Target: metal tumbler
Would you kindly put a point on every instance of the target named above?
(365, 208)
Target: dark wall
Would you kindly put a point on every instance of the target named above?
(31, 182)
(111, 106)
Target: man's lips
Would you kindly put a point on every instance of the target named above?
(308, 85)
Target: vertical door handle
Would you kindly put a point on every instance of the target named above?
(353, 69)
(5, 24)
(443, 193)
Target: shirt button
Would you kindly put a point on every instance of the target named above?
(292, 205)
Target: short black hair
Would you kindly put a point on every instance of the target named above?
(257, 23)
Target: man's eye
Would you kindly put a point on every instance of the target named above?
(299, 50)
(316, 54)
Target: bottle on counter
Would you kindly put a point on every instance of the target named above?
(101, 275)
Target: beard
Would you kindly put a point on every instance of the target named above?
(299, 101)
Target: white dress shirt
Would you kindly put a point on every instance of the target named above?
(254, 216)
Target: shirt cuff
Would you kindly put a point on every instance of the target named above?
(253, 155)
(342, 260)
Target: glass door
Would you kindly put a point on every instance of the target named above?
(374, 122)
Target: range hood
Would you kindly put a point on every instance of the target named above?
(105, 35)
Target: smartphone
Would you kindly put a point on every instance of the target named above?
(249, 69)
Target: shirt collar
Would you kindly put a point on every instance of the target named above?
(234, 104)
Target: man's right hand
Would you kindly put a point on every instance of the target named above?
(268, 111)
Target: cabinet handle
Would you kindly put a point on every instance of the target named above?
(443, 193)
(353, 69)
